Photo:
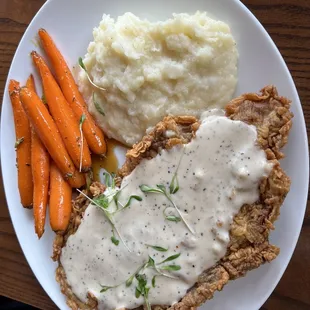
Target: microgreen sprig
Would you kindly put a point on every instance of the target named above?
(141, 288)
(161, 189)
(82, 120)
(81, 64)
(109, 179)
(127, 204)
(101, 204)
(97, 105)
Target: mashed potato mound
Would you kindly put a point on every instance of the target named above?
(181, 66)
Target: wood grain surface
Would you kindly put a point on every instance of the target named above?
(288, 23)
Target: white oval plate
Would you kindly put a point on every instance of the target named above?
(70, 23)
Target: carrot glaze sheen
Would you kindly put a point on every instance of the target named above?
(93, 134)
(47, 130)
(64, 117)
(22, 146)
(60, 200)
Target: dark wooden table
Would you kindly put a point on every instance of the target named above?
(288, 22)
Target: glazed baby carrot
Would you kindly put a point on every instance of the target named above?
(94, 136)
(40, 172)
(30, 84)
(47, 130)
(40, 175)
(60, 200)
(22, 146)
(64, 117)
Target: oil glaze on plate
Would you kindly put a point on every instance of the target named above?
(70, 23)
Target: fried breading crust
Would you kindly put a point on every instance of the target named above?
(249, 245)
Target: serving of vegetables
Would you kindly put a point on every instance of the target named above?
(55, 136)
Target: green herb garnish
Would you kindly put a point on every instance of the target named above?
(171, 267)
(102, 200)
(81, 63)
(82, 120)
(97, 105)
(157, 248)
(109, 179)
(167, 192)
(143, 290)
(153, 281)
(19, 142)
(147, 189)
(43, 99)
(114, 240)
(161, 189)
(150, 263)
(174, 184)
(173, 218)
(101, 204)
(170, 258)
(105, 288)
(130, 279)
(127, 204)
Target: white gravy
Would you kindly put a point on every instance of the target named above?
(219, 171)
